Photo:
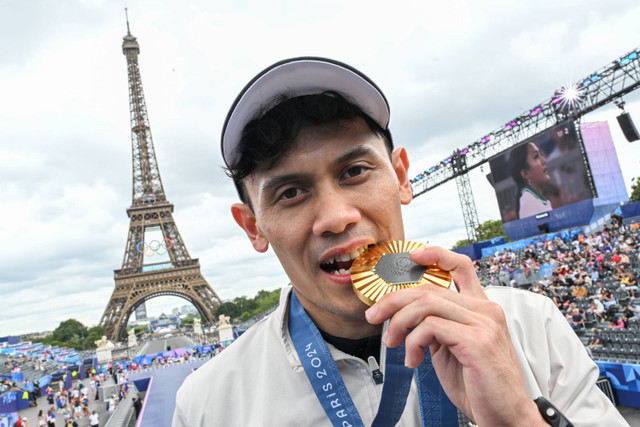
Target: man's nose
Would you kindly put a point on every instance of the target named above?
(335, 211)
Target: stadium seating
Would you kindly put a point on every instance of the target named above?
(619, 345)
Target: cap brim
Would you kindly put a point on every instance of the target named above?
(297, 77)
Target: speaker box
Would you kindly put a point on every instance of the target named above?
(628, 128)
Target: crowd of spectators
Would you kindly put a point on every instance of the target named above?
(592, 279)
(15, 364)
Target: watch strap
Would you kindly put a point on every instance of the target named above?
(551, 414)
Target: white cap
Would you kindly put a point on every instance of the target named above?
(298, 77)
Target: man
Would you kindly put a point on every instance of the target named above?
(137, 405)
(576, 320)
(634, 308)
(94, 419)
(627, 312)
(308, 145)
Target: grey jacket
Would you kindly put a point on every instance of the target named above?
(259, 380)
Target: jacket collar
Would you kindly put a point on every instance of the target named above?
(282, 330)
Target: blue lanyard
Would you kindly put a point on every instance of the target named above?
(435, 407)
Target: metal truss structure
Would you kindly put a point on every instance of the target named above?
(465, 195)
(137, 282)
(608, 84)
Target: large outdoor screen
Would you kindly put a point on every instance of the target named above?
(542, 173)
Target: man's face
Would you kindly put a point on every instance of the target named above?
(333, 194)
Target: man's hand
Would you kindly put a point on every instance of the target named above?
(467, 335)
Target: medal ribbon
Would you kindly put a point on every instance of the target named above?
(435, 407)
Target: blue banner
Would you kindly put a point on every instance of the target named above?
(625, 380)
(9, 402)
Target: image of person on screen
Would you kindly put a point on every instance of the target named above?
(528, 167)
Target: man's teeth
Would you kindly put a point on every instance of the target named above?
(331, 263)
(346, 257)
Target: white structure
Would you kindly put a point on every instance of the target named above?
(197, 327)
(225, 330)
(132, 341)
(104, 349)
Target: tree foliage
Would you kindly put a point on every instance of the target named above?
(187, 322)
(244, 308)
(73, 334)
(93, 334)
(230, 309)
(485, 231)
(461, 243)
(490, 229)
(635, 190)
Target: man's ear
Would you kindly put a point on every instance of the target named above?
(400, 161)
(247, 221)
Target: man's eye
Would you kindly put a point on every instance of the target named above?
(354, 171)
(289, 193)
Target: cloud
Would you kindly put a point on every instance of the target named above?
(451, 71)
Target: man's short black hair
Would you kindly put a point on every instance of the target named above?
(268, 137)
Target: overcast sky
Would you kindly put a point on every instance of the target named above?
(452, 71)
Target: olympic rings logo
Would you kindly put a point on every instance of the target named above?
(154, 247)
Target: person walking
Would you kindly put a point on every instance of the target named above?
(94, 419)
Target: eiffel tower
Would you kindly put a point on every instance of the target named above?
(178, 274)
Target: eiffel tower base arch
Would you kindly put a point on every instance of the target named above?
(132, 289)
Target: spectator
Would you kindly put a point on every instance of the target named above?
(137, 404)
(577, 320)
(66, 413)
(633, 308)
(608, 299)
(596, 308)
(627, 312)
(77, 408)
(51, 418)
(632, 284)
(94, 419)
(111, 403)
(536, 288)
(566, 299)
(41, 420)
(616, 323)
(596, 339)
(579, 291)
(50, 398)
(600, 290)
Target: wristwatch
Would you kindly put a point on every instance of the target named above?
(551, 414)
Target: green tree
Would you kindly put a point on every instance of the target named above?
(93, 335)
(490, 229)
(266, 300)
(72, 334)
(461, 243)
(635, 190)
(485, 231)
(187, 322)
(230, 309)
(246, 304)
(245, 308)
(68, 330)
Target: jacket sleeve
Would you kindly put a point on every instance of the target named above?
(573, 375)
(178, 418)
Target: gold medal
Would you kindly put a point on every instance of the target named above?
(386, 267)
